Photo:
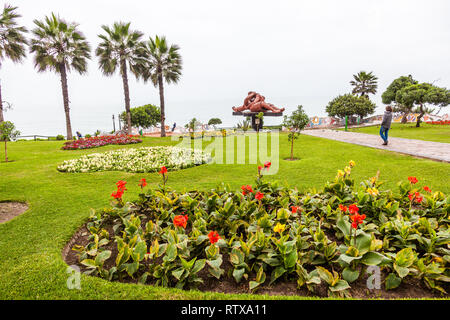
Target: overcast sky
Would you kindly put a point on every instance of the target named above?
(292, 52)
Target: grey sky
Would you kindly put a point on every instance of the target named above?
(293, 52)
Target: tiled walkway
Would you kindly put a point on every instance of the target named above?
(419, 148)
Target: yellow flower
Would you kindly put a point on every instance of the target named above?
(340, 173)
(348, 170)
(279, 227)
(438, 259)
(373, 180)
(352, 163)
(372, 191)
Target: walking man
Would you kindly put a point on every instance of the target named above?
(386, 125)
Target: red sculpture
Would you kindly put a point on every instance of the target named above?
(256, 103)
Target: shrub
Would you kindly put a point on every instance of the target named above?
(95, 142)
(59, 137)
(269, 233)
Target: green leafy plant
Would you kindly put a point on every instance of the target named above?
(336, 286)
(8, 132)
(296, 122)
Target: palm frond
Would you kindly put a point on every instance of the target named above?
(56, 42)
(12, 39)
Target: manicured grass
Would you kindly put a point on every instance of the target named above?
(428, 132)
(31, 266)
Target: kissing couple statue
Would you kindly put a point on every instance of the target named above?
(256, 103)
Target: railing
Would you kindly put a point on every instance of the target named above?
(36, 136)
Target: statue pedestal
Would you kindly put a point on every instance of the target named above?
(257, 126)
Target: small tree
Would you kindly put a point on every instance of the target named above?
(348, 105)
(193, 124)
(296, 122)
(214, 121)
(8, 132)
(143, 116)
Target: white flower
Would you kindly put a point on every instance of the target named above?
(147, 159)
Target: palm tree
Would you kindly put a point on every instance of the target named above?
(164, 63)
(12, 41)
(60, 47)
(364, 83)
(119, 47)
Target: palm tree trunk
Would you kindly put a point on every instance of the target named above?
(420, 116)
(126, 92)
(1, 106)
(161, 101)
(65, 92)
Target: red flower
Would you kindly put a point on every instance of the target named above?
(213, 237)
(353, 208)
(180, 221)
(117, 194)
(163, 170)
(427, 189)
(246, 189)
(121, 185)
(357, 219)
(259, 195)
(412, 180)
(343, 208)
(410, 196)
(267, 165)
(142, 183)
(94, 142)
(294, 209)
(418, 197)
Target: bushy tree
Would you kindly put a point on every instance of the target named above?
(144, 116)
(296, 122)
(390, 95)
(421, 94)
(60, 47)
(364, 83)
(8, 132)
(12, 41)
(348, 105)
(214, 122)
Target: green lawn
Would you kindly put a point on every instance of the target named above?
(428, 132)
(31, 266)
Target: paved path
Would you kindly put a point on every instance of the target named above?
(419, 148)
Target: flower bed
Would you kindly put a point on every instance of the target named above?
(100, 141)
(147, 159)
(441, 122)
(265, 236)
